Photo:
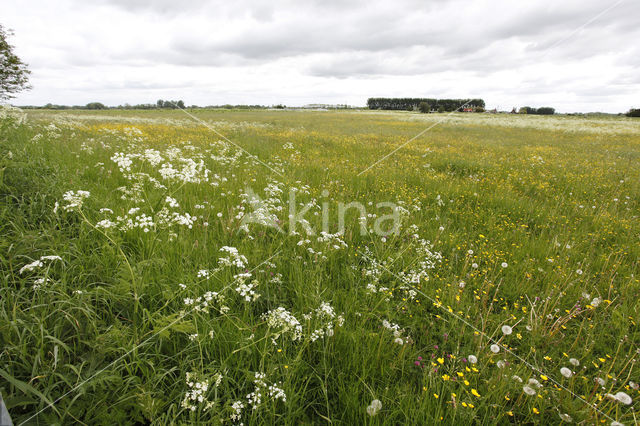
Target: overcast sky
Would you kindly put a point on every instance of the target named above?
(575, 55)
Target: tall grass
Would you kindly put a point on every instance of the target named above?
(537, 227)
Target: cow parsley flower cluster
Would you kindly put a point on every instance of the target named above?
(196, 394)
(427, 260)
(254, 209)
(233, 258)
(163, 219)
(246, 291)
(262, 390)
(236, 411)
(39, 282)
(210, 299)
(283, 323)
(326, 316)
(74, 200)
(38, 263)
(334, 241)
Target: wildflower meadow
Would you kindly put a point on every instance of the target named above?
(307, 267)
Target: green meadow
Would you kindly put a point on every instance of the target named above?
(310, 267)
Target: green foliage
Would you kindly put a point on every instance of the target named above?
(424, 107)
(170, 104)
(14, 74)
(545, 111)
(95, 105)
(633, 113)
(537, 111)
(409, 104)
(108, 335)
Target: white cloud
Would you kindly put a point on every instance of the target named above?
(510, 54)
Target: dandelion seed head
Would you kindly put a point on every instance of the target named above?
(566, 372)
(374, 407)
(565, 417)
(623, 398)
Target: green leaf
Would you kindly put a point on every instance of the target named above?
(27, 388)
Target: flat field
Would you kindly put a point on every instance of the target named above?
(265, 267)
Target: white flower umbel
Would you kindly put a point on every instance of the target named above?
(263, 390)
(209, 300)
(236, 408)
(196, 394)
(31, 266)
(233, 258)
(283, 323)
(324, 318)
(38, 263)
(246, 291)
(74, 199)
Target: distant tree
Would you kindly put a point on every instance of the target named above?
(170, 104)
(633, 112)
(95, 105)
(424, 107)
(441, 108)
(545, 111)
(537, 111)
(14, 74)
(478, 109)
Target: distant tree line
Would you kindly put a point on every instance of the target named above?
(160, 104)
(423, 104)
(170, 104)
(537, 111)
(633, 112)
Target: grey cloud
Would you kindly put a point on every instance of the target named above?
(336, 42)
